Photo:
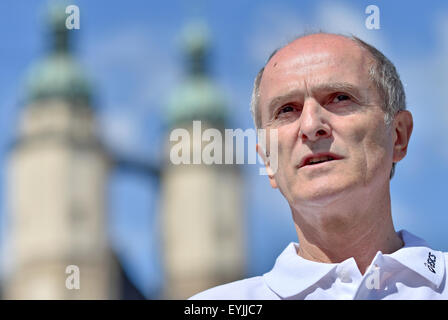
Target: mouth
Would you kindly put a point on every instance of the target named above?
(315, 159)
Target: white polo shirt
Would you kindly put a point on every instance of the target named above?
(413, 272)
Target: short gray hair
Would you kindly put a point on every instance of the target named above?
(382, 72)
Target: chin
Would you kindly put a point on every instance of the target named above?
(321, 194)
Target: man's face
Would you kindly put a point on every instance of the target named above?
(318, 94)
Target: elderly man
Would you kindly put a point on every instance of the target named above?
(338, 106)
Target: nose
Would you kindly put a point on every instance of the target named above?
(312, 123)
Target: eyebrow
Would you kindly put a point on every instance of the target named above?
(327, 87)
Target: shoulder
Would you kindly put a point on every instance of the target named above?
(247, 289)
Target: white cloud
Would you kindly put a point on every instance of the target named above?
(135, 74)
(276, 25)
(338, 17)
(138, 54)
(120, 130)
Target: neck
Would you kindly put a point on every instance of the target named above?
(332, 234)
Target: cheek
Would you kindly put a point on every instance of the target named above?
(286, 156)
(286, 143)
(378, 139)
(370, 145)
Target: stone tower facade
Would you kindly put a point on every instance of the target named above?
(56, 185)
(202, 207)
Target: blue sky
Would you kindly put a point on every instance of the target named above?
(131, 52)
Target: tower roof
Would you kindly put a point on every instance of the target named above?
(198, 98)
(57, 74)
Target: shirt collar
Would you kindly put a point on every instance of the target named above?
(293, 274)
(416, 255)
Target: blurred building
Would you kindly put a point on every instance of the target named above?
(57, 180)
(202, 216)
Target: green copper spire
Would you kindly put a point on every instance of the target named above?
(59, 32)
(57, 75)
(196, 45)
(197, 98)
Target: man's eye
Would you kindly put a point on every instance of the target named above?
(285, 109)
(340, 97)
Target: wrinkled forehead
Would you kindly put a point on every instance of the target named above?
(317, 58)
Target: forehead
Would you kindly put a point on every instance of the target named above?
(315, 60)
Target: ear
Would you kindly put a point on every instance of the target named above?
(266, 161)
(403, 125)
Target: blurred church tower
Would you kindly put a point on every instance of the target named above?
(56, 183)
(202, 208)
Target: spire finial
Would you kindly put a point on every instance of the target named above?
(196, 43)
(58, 30)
